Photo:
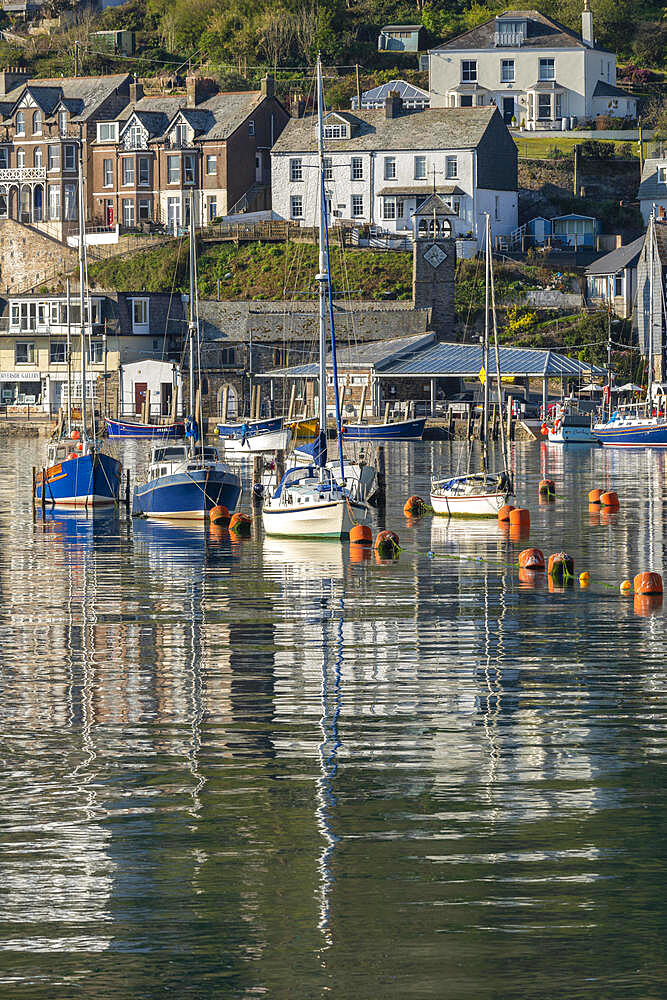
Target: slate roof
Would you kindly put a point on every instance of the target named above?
(434, 203)
(417, 190)
(229, 110)
(649, 186)
(401, 87)
(604, 89)
(543, 32)
(618, 259)
(661, 240)
(433, 128)
(215, 118)
(85, 93)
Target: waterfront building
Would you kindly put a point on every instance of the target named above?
(401, 38)
(611, 280)
(652, 192)
(381, 166)
(148, 158)
(536, 71)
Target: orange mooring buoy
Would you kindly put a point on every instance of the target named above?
(609, 499)
(414, 506)
(361, 534)
(240, 524)
(594, 496)
(531, 559)
(520, 517)
(219, 515)
(560, 567)
(387, 544)
(547, 489)
(504, 512)
(648, 583)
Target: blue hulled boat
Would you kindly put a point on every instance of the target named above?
(134, 429)
(633, 427)
(184, 485)
(401, 430)
(89, 478)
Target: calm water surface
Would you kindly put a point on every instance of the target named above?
(269, 770)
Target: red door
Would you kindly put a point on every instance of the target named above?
(139, 396)
(109, 215)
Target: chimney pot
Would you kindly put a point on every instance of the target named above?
(587, 25)
(268, 86)
(393, 105)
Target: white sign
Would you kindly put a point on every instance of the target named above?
(20, 377)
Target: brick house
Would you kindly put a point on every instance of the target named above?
(148, 158)
(42, 123)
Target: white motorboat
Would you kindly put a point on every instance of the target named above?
(254, 436)
(476, 495)
(570, 426)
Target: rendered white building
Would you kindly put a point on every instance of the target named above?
(652, 192)
(537, 72)
(382, 165)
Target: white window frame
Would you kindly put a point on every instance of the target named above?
(389, 168)
(420, 168)
(30, 352)
(20, 157)
(662, 175)
(451, 167)
(37, 122)
(173, 167)
(507, 71)
(53, 159)
(468, 71)
(328, 168)
(127, 212)
(58, 360)
(107, 173)
(143, 178)
(146, 205)
(357, 203)
(296, 206)
(189, 168)
(140, 314)
(357, 168)
(20, 123)
(546, 69)
(296, 170)
(211, 161)
(107, 131)
(127, 171)
(251, 127)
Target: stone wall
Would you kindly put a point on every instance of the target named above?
(28, 257)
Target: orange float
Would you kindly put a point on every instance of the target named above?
(240, 524)
(609, 499)
(361, 534)
(219, 515)
(531, 559)
(504, 512)
(414, 506)
(387, 545)
(594, 496)
(648, 584)
(520, 517)
(560, 567)
(547, 488)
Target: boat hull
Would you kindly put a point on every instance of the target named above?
(572, 435)
(480, 505)
(640, 435)
(130, 429)
(331, 519)
(186, 496)
(91, 480)
(269, 441)
(402, 430)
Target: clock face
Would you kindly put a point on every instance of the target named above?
(434, 255)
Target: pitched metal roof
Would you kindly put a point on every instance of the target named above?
(543, 32)
(401, 87)
(650, 187)
(433, 128)
(618, 259)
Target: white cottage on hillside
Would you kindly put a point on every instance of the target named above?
(536, 71)
(652, 192)
(382, 165)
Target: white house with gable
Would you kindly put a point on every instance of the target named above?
(537, 72)
(382, 165)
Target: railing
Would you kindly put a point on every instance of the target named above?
(508, 38)
(22, 174)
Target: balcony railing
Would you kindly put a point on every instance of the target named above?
(22, 174)
(513, 38)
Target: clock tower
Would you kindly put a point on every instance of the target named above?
(434, 263)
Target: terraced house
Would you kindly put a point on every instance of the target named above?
(149, 158)
(44, 123)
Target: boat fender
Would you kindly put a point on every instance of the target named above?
(626, 587)
(72, 454)
(387, 545)
(560, 568)
(520, 517)
(258, 490)
(648, 583)
(584, 579)
(219, 515)
(594, 496)
(544, 429)
(504, 512)
(531, 559)
(240, 525)
(361, 534)
(609, 499)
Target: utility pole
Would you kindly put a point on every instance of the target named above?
(358, 88)
(641, 149)
(76, 57)
(574, 182)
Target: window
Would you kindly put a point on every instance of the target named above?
(145, 210)
(15, 314)
(144, 171)
(57, 352)
(451, 166)
(507, 71)
(251, 127)
(212, 209)
(618, 285)
(96, 356)
(107, 131)
(392, 208)
(662, 175)
(466, 101)
(127, 166)
(544, 106)
(136, 137)
(357, 205)
(54, 202)
(390, 168)
(54, 157)
(173, 169)
(20, 123)
(420, 168)
(334, 131)
(547, 69)
(454, 204)
(70, 157)
(139, 313)
(497, 207)
(296, 170)
(62, 122)
(211, 165)
(4, 158)
(357, 168)
(468, 71)
(558, 105)
(4, 206)
(107, 171)
(54, 313)
(71, 211)
(328, 169)
(38, 157)
(37, 122)
(296, 206)
(20, 157)
(24, 353)
(128, 212)
(180, 135)
(189, 169)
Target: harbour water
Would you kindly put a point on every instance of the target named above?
(268, 769)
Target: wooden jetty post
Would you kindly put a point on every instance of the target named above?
(381, 476)
(510, 425)
(469, 423)
(362, 405)
(43, 490)
(280, 465)
(127, 491)
(225, 403)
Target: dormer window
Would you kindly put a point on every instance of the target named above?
(510, 32)
(20, 123)
(37, 123)
(180, 135)
(335, 130)
(107, 131)
(135, 137)
(62, 122)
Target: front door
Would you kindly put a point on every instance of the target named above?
(166, 394)
(108, 213)
(139, 396)
(508, 110)
(174, 214)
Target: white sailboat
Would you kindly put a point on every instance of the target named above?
(478, 494)
(311, 502)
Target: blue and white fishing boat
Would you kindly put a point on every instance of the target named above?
(399, 430)
(186, 481)
(135, 429)
(79, 470)
(309, 502)
(253, 436)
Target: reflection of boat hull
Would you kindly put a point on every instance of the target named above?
(624, 434)
(402, 430)
(187, 495)
(330, 519)
(89, 480)
(132, 429)
(480, 505)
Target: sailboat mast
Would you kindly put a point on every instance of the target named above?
(82, 303)
(649, 378)
(191, 327)
(322, 275)
(485, 349)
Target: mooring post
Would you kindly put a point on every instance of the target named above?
(380, 471)
(127, 491)
(43, 489)
(257, 472)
